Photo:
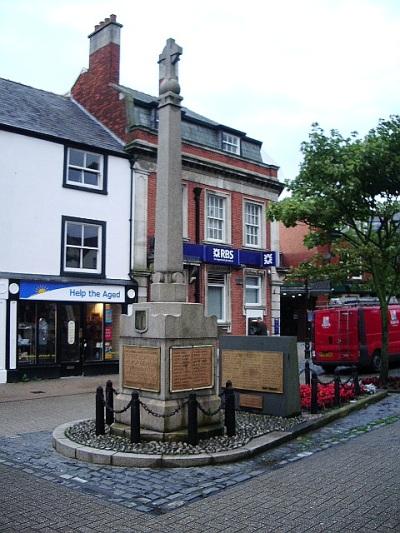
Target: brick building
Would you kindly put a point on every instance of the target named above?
(228, 254)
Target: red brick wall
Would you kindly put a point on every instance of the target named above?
(93, 91)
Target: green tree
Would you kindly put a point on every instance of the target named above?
(348, 193)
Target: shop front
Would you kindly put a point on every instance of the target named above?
(64, 329)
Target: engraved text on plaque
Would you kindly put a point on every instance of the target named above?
(141, 368)
(191, 367)
(257, 371)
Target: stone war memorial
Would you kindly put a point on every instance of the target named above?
(169, 348)
(265, 373)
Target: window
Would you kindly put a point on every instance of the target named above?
(216, 220)
(253, 290)
(84, 170)
(83, 246)
(36, 341)
(252, 224)
(230, 143)
(216, 295)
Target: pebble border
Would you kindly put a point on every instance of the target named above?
(73, 450)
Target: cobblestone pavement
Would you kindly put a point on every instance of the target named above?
(365, 477)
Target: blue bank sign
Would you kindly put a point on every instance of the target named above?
(206, 253)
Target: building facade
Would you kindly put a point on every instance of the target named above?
(78, 176)
(64, 237)
(229, 251)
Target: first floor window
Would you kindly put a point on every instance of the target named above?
(216, 217)
(253, 290)
(216, 295)
(252, 224)
(83, 246)
(84, 169)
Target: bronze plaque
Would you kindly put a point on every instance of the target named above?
(191, 367)
(141, 368)
(257, 371)
(250, 400)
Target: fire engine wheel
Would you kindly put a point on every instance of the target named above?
(376, 361)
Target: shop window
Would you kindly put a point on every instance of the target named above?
(36, 340)
(94, 332)
(112, 317)
(252, 224)
(253, 290)
(83, 246)
(85, 170)
(216, 295)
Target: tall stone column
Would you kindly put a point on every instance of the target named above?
(168, 283)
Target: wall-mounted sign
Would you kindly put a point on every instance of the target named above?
(71, 292)
(71, 332)
(215, 254)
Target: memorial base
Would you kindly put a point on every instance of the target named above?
(170, 428)
(167, 352)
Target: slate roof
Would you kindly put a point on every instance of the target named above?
(195, 128)
(51, 115)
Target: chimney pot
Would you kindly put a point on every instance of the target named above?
(113, 18)
(106, 21)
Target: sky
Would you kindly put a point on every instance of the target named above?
(265, 67)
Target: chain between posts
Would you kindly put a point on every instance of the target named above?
(158, 415)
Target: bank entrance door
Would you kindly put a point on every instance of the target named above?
(70, 339)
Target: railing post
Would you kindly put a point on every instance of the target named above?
(193, 437)
(109, 403)
(337, 389)
(314, 393)
(356, 383)
(135, 417)
(100, 430)
(230, 415)
(307, 372)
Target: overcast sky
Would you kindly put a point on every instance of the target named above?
(269, 68)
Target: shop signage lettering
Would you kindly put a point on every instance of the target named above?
(70, 292)
(228, 256)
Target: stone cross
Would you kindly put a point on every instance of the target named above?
(168, 281)
(168, 67)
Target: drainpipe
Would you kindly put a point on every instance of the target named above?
(132, 162)
(197, 195)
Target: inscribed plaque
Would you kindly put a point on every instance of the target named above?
(191, 367)
(141, 368)
(250, 400)
(251, 370)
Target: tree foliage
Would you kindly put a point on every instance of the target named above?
(348, 193)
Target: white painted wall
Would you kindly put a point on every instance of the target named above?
(33, 201)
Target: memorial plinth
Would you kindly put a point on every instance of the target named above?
(173, 354)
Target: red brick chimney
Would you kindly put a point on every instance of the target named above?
(93, 88)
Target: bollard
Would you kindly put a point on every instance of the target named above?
(307, 372)
(314, 393)
(193, 437)
(337, 390)
(100, 430)
(356, 383)
(135, 417)
(230, 415)
(109, 403)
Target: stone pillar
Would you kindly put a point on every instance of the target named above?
(168, 348)
(168, 283)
